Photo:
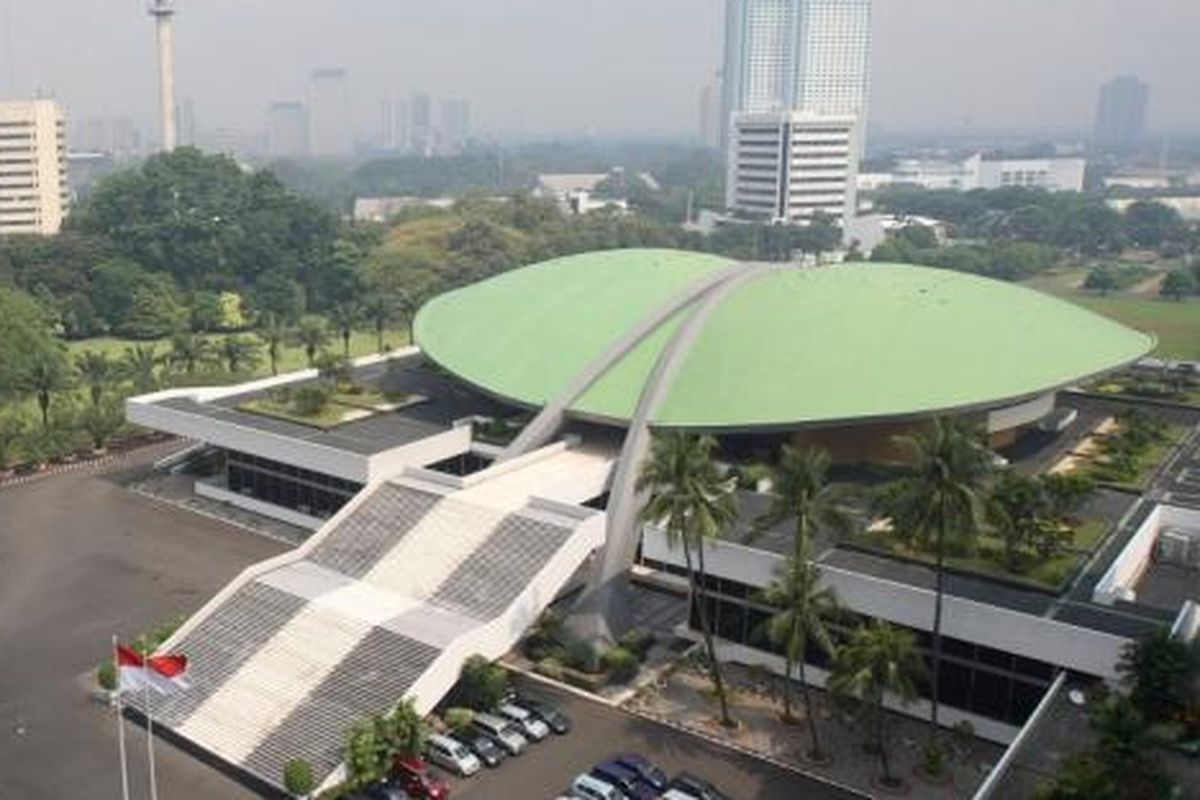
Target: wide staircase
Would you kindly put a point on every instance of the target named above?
(385, 602)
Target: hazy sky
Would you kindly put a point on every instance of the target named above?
(594, 66)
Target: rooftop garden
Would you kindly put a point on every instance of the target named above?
(1127, 454)
(334, 399)
(1173, 384)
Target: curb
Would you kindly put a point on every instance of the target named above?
(201, 512)
(81, 465)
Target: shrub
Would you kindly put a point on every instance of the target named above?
(933, 760)
(620, 665)
(638, 641)
(106, 675)
(298, 777)
(308, 401)
(458, 719)
(547, 638)
(580, 655)
(551, 668)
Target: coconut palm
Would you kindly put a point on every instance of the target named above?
(139, 365)
(344, 317)
(879, 660)
(939, 504)
(97, 372)
(190, 351)
(240, 352)
(313, 335)
(804, 609)
(687, 496)
(800, 490)
(274, 334)
(46, 374)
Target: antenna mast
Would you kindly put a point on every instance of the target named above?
(163, 12)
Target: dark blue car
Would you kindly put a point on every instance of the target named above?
(646, 771)
(624, 779)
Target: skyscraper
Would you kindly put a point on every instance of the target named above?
(330, 131)
(34, 195)
(420, 130)
(1121, 114)
(287, 130)
(455, 126)
(811, 55)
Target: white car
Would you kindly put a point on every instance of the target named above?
(530, 725)
(452, 755)
(587, 787)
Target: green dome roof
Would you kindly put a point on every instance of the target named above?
(789, 347)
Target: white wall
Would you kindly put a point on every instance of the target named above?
(1004, 419)
(1127, 568)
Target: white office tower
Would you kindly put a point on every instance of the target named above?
(163, 12)
(330, 131)
(787, 166)
(812, 55)
(34, 196)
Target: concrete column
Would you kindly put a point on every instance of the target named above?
(164, 19)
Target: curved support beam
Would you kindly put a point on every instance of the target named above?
(550, 419)
(601, 607)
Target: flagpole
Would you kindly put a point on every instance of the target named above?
(150, 738)
(120, 726)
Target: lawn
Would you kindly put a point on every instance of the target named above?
(330, 416)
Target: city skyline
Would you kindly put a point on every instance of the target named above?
(498, 62)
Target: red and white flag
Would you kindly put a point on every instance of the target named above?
(165, 674)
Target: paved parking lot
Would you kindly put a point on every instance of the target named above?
(81, 558)
(547, 768)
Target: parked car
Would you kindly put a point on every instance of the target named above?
(484, 748)
(624, 779)
(501, 732)
(645, 770)
(554, 718)
(675, 794)
(452, 755)
(379, 791)
(587, 787)
(533, 728)
(695, 786)
(413, 776)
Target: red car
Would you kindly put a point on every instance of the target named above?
(413, 776)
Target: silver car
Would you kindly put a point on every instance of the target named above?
(531, 726)
(452, 755)
(502, 732)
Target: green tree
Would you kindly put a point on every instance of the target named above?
(939, 504)
(97, 372)
(1067, 492)
(1161, 675)
(1101, 280)
(800, 491)
(274, 334)
(139, 365)
(804, 608)
(344, 317)
(24, 333)
(298, 777)
(382, 308)
(686, 495)
(409, 730)
(12, 431)
(1018, 508)
(879, 660)
(368, 751)
(312, 334)
(191, 351)
(240, 353)
(481, 684)
(100, 422)
(46, 375)
(1178, 284)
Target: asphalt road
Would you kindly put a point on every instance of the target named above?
(81, 559)
(546, 769)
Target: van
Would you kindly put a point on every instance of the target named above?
(587, 787)
(502, 732)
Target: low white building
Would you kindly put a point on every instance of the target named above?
(977, 172)
(787, 166)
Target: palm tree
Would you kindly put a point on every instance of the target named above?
(800, 490)
(48, 372)
(139, 365)
(97, 371)
(939, 500)
(240, 352)
(190, 350)
(12, 429)
(687, 496)
(382, 308)
(804, 608)
(312, 335)
(274, 334)
(879, 660)
(344, 317)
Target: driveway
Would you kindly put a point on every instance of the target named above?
(81, 558)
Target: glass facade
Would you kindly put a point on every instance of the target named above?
(308, 492)
(982, 680)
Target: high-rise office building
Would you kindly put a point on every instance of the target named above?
(330, 125)
(420, 129)
(34, 195)
(812, 55)
(787, 166)
(1121, 114)
(287, 130)
(455, 126)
